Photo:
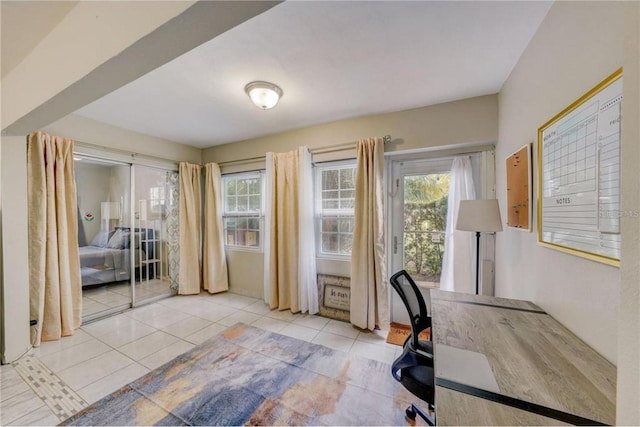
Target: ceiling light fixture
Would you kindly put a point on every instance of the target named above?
(264, 95)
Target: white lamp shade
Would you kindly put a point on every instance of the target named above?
(110, 210)
(479, 215)
(264, 95)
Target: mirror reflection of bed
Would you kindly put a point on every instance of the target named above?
(106, 269)
(123, 233)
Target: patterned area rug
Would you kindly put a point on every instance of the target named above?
(247, 376)
(398, 333)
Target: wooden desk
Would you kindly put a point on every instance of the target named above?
(515, 354)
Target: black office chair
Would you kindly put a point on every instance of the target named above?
(414, 368)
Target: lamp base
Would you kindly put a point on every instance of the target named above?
(477, 263)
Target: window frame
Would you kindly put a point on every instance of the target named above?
(335, 213)
(260, 214)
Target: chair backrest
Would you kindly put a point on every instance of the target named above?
(413, 301)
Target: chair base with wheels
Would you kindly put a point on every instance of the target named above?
(414, 410)
(415, 372)
(414, 368)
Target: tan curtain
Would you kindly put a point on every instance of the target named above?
(369, 297)
(55, 287)
(214, 267)
(189, 278)
(282, 259)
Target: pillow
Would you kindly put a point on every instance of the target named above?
(101, 239)
(119, 240)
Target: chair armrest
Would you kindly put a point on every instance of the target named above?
(410, 357)
(423, 354)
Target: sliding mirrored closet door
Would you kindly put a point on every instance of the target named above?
(104, 212)
(156, 232)
(127, 234)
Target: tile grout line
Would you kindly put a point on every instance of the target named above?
(20, 415)
(58, 396)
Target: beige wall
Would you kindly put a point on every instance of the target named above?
(462, 122)
(14, 241)
(93, 132)
(628, 405)
(2, 318)
(577, 46)
(246, 272)
(466, 121)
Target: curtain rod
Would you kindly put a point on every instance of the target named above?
(131, 154)
(440, 151)
(322, 150)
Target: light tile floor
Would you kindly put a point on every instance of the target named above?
(104, 355)
(96, 299)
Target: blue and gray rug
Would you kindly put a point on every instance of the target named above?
(247, 376)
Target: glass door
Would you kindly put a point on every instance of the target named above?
(103, 189)
(420, 190)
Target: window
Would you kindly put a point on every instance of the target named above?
(335, 200)
(243, 209)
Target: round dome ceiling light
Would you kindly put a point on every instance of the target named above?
(264, 95)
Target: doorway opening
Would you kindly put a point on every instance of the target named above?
(420, 190)
(425, 197)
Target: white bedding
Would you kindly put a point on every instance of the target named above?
(104, 265)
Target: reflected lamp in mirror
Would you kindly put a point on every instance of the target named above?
(109, 211)
(142, 210)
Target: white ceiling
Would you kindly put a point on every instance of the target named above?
(333, 60)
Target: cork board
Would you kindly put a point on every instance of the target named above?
(519, 189)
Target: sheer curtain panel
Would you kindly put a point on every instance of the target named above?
(55, 289)
(307, 278)
(268, 214)
(457, 263)
(214, 267)
(189, 278)
(369, 296)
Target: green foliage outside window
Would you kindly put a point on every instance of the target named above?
(425, 219)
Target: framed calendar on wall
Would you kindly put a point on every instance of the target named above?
(579, 175)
